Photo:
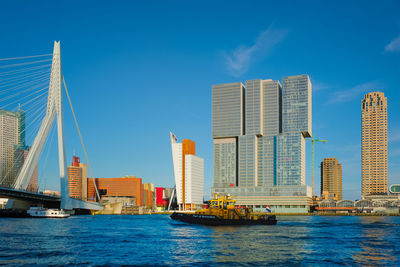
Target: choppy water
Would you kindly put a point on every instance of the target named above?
(157, 240)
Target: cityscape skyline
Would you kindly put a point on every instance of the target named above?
(341, 92)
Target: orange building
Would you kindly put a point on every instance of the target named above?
(188, 148)
(148, 198)
(75, 179)
(118, 187)
(148, 194)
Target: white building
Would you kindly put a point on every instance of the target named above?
(189, 174)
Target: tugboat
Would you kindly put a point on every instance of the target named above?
(222, 211)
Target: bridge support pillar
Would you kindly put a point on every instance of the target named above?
(16, 204)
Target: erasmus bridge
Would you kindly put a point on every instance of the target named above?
(24, 85)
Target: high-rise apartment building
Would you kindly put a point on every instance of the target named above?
(374, 144)
(77, 179)
(12, 135)
(189, 173)
(331, 177)
(259, 146)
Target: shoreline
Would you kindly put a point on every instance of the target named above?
(297, 214)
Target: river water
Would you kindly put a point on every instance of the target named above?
(157, 240)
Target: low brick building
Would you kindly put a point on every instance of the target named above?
(121, 187)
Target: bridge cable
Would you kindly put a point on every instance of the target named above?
(26, 63)
(11, 72)
(25, 76)
(12, 58)
(46, 152)
(80, 136)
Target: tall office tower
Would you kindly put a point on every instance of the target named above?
(225, 161)
(254, 125)
(296, 125)
(12, 134)
(296, 105)
(272, 127)
(189, 174)
(331, 177)
(227, 125)
(76, 174)
(268, 153)
(374, 144)
(20, 155)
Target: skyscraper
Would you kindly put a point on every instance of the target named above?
(331, 177)
(374, 144)
(189, 173)
(12, 135)
(263, 158)
(77, 179)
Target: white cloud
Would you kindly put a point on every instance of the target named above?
(354, 92)
(238, 61)
(394, 152)
(394, 136)
(319, 86)
(393, 46)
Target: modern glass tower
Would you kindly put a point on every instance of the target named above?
(259, 146)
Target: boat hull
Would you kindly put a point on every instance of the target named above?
(47, 213)
(213, 220)
(49, 216)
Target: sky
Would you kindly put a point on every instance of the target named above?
(137, 70)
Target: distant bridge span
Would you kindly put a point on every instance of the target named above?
(32, 197)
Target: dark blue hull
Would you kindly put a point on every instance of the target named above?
(213, 220)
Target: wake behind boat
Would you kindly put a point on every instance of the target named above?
(222, 211)
(39, 212)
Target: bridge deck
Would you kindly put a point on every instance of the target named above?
(26, 195)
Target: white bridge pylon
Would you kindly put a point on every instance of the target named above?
(54, 108)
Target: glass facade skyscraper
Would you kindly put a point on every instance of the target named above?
(296, 105)
(290, 159)
(227, 110)
(225, 161)
(262, 159)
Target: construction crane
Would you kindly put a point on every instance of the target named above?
(313, 140)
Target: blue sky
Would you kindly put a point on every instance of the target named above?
(139, 69)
